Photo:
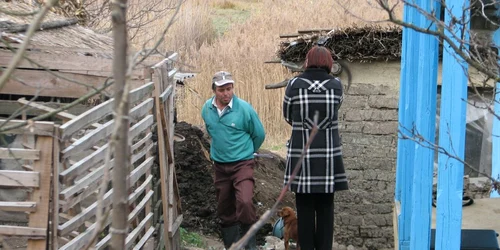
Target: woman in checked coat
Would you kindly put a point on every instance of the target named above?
(322, 171)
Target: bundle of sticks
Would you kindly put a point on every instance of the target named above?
(363, 44)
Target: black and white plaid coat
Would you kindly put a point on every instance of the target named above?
(322, 170)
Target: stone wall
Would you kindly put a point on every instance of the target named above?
(369, 121)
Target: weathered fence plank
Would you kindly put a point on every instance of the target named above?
(162, 154)
(55, 190)
(99, 155)
(83, 238)
(132, 236)
(13, 178)
(164, 96)
(90, 211)
(96, 175)
(36, 128)
(105, 130)
(18, 206)
(41, 195)
(18, 153)
(30, 232)
(144, 238)
(139, 207)
(61, 115)
(98, 112)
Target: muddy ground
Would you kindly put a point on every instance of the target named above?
(195, 179)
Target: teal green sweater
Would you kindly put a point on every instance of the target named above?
(237, 134)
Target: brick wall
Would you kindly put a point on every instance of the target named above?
(369, 120)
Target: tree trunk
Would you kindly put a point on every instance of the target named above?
(121, 106)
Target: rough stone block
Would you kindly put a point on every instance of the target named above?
(362, 139)
(370, 163)
(377, 175)
(376, 232)
(352, 101)
(379, 243)
(355, 241)
(479, 187)
(352, 150)
(378, 219)
(372, 186)
(345, 230)
(363, 209)
(371, 115)
(387, 101)
(368, 89)
(349, 219)
(355, 175)
(348, 197)
(351, 127)
(374, 196)
(381, 128)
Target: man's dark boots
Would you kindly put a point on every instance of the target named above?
(252, 242)
(230, 235)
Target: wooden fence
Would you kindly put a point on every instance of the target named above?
(37, 163)
(79, 161)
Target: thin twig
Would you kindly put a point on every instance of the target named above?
(163, 34)
(46, 69)
(102, 211)
(418, 138)
(63, 108)
(26, 41)
(267, 215)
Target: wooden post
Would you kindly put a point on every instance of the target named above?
(41, 195)
(162, 156)
(405, 152)
(55, 189)
(148, 206)
(173, 193)
(495, 157)
(425, 125)
(452, 136)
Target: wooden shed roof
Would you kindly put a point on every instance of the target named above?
(66, 34)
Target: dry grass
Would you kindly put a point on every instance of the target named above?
(226, 4)
(243, 49)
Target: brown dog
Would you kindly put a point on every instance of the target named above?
(290, 223)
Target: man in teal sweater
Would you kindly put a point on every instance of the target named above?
(237, 133)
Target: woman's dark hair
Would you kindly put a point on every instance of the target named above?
(319, 57)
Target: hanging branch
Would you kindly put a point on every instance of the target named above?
(267, 215)
(422, 141)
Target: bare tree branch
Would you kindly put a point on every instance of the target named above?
(46, 69)
(424, 142)
(267, 215)
(102, 211)
(63, 108)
